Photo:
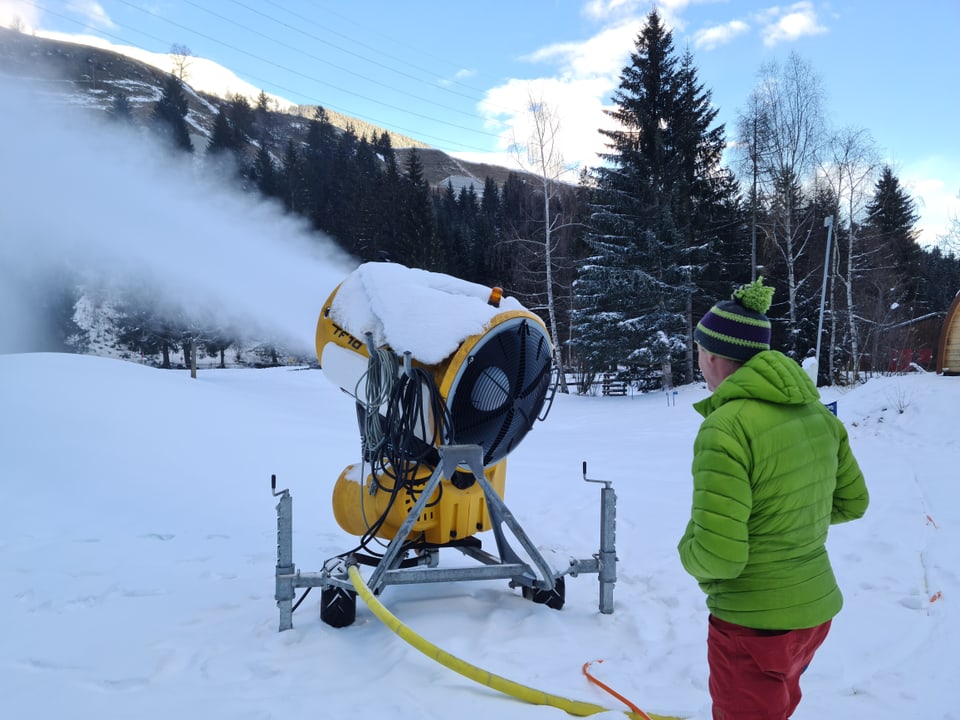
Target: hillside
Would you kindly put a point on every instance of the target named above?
(92, 77)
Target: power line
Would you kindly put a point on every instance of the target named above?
(294, 93)
(310, 78)
(391, 68)
(327, 62)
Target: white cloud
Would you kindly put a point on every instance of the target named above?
(935, 187)
(719, 35)
(18, 14)
(607, 9)
(797, 21)
(588, 73)
(604, 54)
(92, 12)
(577, 103)
(461, 74)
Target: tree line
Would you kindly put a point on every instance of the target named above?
(623, 263)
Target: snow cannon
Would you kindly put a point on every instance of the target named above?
(447, 378)
(431, 361)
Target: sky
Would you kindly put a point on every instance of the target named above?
(138, 549)
(459, 76)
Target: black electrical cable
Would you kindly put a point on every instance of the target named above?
(302, 598)
(413, 425)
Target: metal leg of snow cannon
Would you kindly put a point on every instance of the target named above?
(286, 572)
(392, 553)
(607, 557)
(508, 565)
(471, 457)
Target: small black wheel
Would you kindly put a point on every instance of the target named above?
(551, 598)
(338, 606)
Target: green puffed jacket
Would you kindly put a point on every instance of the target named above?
(772, 470)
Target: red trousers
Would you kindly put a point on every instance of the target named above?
(755, 674)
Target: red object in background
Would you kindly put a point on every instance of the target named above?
(900, 359)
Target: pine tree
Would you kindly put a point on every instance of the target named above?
(264, 172)
(170, 112)
(318, 168)
(891, 224)
(120, 109)
(417, 233)
(656, 207)
(484, 252)
(222, 138)
(240, 115)
(292, 181)
(388, 202)
(891, 281)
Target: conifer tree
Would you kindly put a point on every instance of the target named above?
(120, 109)
(891, 282)
(318, 167)
(292, 182)
(170, 112)
(222, 138)
(416, 217)
(388, 202)
(891, 224)
(655, 210)
(264, 172)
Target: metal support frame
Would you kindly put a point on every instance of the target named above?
(607, 558)
(507, 564)
(286, 571)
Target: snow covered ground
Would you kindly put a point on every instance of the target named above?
(138, 545)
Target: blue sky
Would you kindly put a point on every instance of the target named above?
(458, 75)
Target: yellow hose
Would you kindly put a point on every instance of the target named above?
(484, 677)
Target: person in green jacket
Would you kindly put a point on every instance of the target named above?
(772, 470)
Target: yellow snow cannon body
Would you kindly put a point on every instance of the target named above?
(430, 360)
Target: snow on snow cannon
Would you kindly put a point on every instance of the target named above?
(430, 360)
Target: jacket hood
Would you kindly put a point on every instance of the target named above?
(769, 376)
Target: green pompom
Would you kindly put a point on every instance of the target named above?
(755, 296)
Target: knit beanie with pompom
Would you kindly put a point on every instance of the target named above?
(737, 329)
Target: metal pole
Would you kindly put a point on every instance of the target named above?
(607, 557)
(285, 580)
(607, 574)
(827, 223)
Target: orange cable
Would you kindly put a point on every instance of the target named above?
(613, 692)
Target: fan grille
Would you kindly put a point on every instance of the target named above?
(501, 387)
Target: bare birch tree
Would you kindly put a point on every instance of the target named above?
(851, 171)
(541, 156)
(786, 119)
(181, 57)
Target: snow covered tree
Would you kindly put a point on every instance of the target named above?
(655, 206)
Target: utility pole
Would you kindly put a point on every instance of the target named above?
(827, 223)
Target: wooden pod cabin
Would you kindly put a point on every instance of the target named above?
(948, 355)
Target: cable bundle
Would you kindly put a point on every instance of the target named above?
(398, 443)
